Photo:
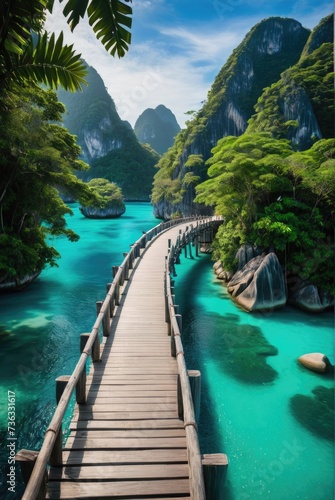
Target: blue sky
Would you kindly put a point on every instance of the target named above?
(178, 47)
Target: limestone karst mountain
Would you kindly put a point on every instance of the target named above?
(157, 127)
(274, 48)
(109, 145)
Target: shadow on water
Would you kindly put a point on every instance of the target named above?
(239, 350)
(315, 413)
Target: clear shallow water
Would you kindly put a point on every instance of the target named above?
(40, 326)
(246, 397)
(271, 455)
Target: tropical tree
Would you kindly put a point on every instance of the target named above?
(275, 198)
(28, 54)
(38, 158)
(108, 193)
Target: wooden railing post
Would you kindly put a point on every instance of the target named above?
(81, 384)
(194, 377)
(196, 244)
(112, 300)
(117, 286)
(126, 266)
(215, 470)
(106, 319)
(60, 386)
(144, 239)
(27, 459)
(56, 457)
(173, 344)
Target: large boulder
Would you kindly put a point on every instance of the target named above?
(309, 298)
(315, 361)
(221, 272)
(259, 285)
(246, 253)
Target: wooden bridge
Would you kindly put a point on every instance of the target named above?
(134, 432)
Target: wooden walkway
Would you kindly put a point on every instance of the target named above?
(127, 441)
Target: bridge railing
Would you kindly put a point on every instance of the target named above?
(34, 464)
(207, 472)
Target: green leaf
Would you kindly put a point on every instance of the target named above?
(111, 22)
(51, 63)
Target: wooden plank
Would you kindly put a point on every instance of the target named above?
(133, 407)
(103, 399)
(124, 443)
(113, 489)
(128, 424)
(118, 472)
(133, 390)
(98, 414)
(139, 370)
(105, 457)
(128, 433)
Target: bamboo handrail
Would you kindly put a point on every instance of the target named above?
(43, 458)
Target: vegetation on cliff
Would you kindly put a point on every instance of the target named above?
(274, 44)
(131, 168)
(157, 127)
(108, 144)
(39, 157)
(314, 74)
(109, 200)
(276, 198)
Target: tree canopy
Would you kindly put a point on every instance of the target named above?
(28, 53)
(38, 157)
(108, 193)
(275, 198)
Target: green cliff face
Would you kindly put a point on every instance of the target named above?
(276, 68)
(157, 127)
(108, 144)
(299, 106)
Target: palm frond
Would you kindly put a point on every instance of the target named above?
(52, 63)
(110, 19)
(16, 20)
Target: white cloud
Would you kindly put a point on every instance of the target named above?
(177, 72)
(174, 66)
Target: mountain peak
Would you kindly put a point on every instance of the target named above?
(157, 127)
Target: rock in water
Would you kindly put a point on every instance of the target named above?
(109, 212)
(259, 285)
(310, 298)
(315, 361)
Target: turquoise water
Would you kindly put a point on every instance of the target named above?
(246, 410)
(40, 326)
(247, 395)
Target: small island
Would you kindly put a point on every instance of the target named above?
(109, 197)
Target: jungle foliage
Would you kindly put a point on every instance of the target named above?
(131, 168)
(229, 86)
(108, 194)
(39, 158)
(276, 198)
